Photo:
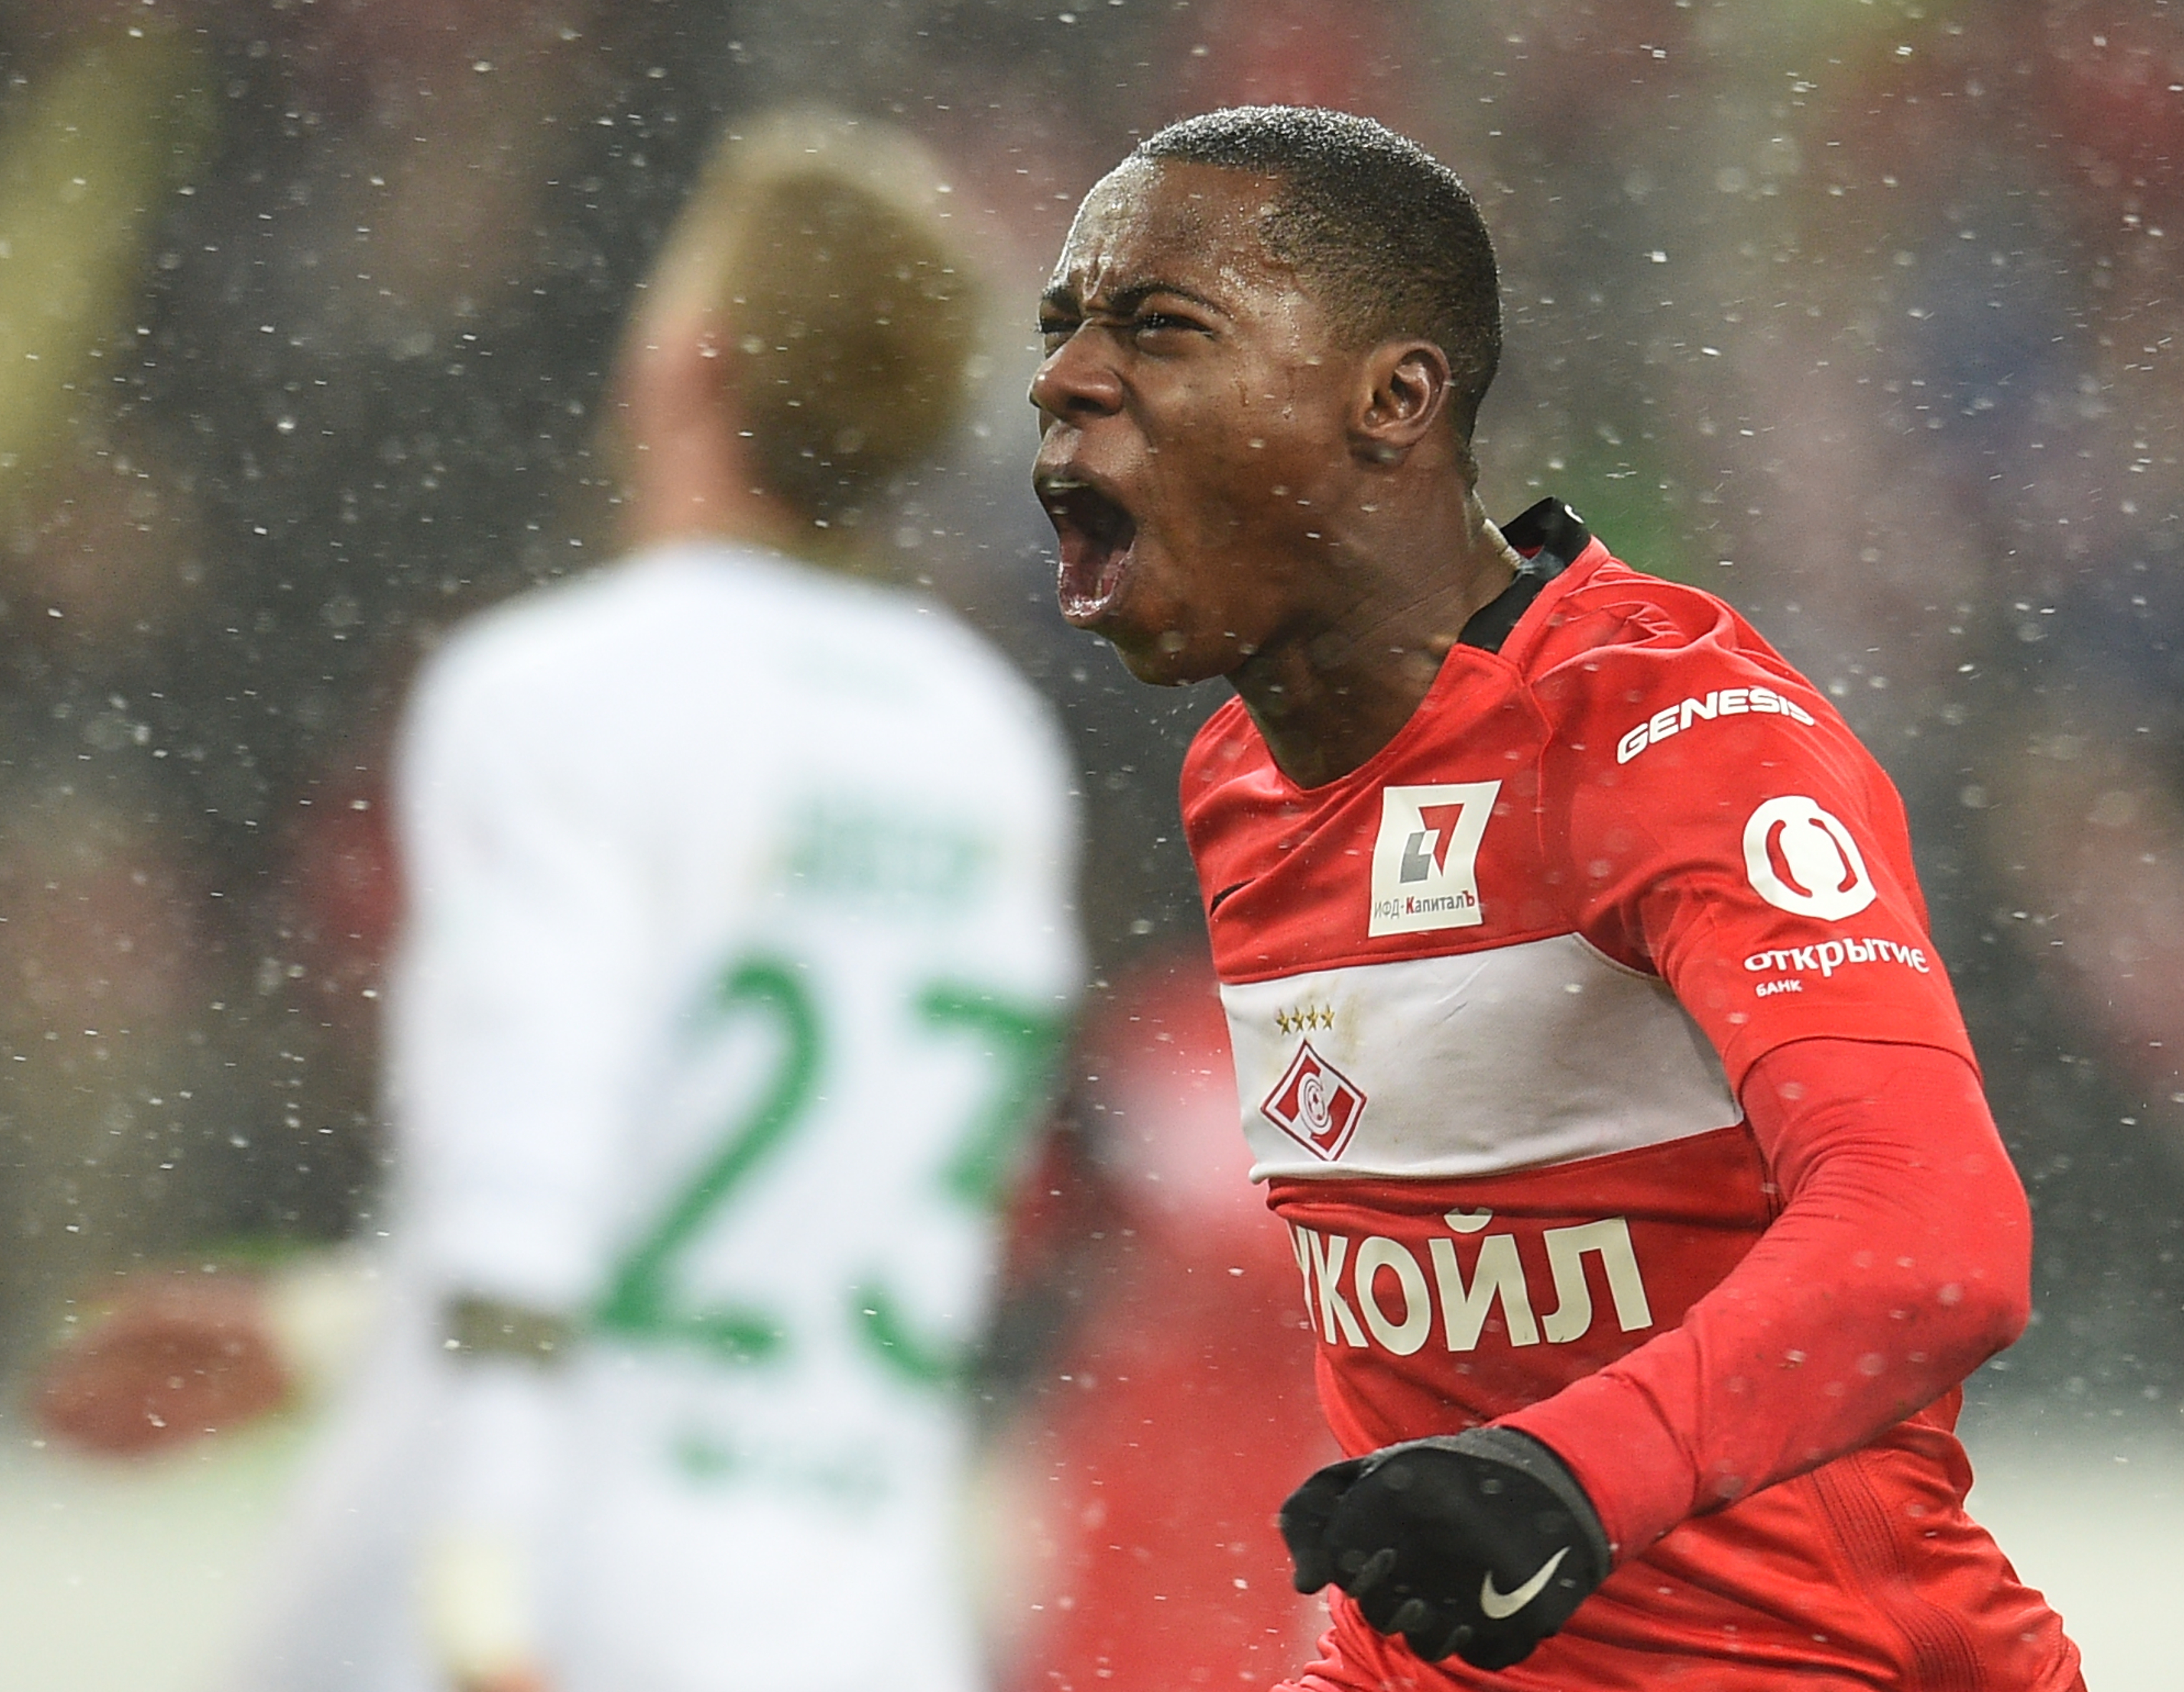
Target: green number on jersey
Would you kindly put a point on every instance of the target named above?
(1019, 1044)
(637, 1302)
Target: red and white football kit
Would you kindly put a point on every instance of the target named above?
(1495, 998)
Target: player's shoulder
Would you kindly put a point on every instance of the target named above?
(1603, 608)
(658, 599)
(1615, 649)
(702, 614)
(814, 631)
(502, 661)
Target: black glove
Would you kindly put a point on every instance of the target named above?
(1476, 1544)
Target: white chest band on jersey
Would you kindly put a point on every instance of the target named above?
(1468, 1064)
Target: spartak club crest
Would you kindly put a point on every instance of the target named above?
(1315, 1104)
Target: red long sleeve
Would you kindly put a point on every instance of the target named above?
(1899, 1261)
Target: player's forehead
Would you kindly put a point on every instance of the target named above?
(1153, 223)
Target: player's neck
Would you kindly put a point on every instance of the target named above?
(687, 469)
(689, 482)
(1331, 696)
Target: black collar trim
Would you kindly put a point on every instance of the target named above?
(1550, 536)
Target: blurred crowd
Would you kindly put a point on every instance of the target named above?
(1864, 315)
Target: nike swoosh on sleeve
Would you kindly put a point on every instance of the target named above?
(1499, 1607)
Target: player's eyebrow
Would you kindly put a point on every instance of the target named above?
(1062, 297)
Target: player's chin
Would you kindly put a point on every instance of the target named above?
(1122, 594)
(1162, 652)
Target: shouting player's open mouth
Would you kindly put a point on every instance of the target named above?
(1098, 537)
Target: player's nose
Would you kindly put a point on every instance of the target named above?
(1075, 382)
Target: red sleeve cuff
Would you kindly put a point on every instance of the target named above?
(1638, 1475)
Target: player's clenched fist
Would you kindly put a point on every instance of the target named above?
(1476, 1544)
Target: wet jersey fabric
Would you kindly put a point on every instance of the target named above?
(1492, 998)
(741, 947)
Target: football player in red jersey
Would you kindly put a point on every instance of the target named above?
(1588, 1034)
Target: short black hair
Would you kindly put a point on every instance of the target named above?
(1388, 236)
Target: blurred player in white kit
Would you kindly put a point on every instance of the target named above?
(740, 943)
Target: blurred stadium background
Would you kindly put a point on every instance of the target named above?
(1863, 313)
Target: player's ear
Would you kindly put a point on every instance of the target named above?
(1402, 387)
